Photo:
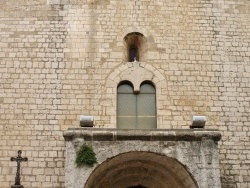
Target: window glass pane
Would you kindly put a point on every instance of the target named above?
(146, 111)
(126, 104)
(146, 105)
(126, 122)
(146, 122)
(136, 110)
(126, 111)
(147, 88)
(125, 88)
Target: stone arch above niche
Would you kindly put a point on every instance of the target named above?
(133, 29)
(144, 42)
(136, 73)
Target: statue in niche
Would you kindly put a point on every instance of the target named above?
(133, 54)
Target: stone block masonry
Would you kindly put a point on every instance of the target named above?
(60, 59)
(126, 153)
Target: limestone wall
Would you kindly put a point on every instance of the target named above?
(57, 58)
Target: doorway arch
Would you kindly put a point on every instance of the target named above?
(141, 169)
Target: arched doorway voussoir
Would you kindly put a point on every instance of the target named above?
(145, 169)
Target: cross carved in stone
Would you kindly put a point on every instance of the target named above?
(18, 159)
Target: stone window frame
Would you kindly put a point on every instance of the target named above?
(135, 73)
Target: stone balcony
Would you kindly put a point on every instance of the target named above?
(183, 158)
(97, 134)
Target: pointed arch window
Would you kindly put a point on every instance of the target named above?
(136, 110)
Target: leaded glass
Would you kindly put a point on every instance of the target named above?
(136, 111)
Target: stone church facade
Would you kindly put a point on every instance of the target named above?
(117, 61)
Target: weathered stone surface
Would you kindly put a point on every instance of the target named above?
(97, 134)
(190, 152)
(60, 59)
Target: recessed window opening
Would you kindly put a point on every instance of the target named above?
(135, 43)
(136, 110)
(138, 186)
(133, 53)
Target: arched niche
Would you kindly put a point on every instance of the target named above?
(135, 45)
(141, 169)
(138, 37)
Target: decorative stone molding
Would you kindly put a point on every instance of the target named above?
(135, 72)
(131, 29)
(94, 134)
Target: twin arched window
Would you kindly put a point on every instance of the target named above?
(136, 110)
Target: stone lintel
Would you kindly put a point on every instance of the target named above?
(99, 134)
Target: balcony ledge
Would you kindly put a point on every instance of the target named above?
(102, 134)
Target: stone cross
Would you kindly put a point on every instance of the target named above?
(18, 159)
